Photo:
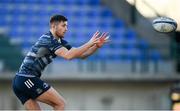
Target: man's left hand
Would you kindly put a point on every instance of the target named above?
(104, 38)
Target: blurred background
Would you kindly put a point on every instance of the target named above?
(138, 70)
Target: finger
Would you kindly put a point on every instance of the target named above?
(102, 39)
(106, 41)
(107, 38)
(104, 36)
(96, 39)
(96, 36)
(96, 33)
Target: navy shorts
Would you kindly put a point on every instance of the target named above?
(27, 88)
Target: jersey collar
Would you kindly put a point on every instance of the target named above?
(59, 40)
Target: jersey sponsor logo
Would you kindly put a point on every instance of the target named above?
(29, 83)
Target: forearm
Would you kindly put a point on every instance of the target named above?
(77, 52)
(89, 52)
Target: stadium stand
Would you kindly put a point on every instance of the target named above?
(128, 73)
(26, 20)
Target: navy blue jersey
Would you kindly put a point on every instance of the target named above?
(40, 55)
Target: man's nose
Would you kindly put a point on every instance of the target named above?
(66, 29)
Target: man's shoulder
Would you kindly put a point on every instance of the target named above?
(46, 36)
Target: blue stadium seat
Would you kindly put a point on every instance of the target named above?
(3, 22)
(79, 2)
(93, 2)
(18, 1)
(117, 23)
(106, 13)
(84, 17)
(32, 1)
(6, 1)
(56, 1)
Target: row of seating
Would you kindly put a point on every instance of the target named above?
(27, 20)
(64, 2)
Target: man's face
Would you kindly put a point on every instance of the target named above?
(61, 28)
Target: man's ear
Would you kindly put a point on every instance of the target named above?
(53, 25)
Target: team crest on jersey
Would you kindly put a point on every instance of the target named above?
(45, 85)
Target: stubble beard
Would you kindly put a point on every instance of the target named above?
(59, 36)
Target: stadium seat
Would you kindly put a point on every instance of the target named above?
(84, 17)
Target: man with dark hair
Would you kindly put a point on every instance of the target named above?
(28, 86)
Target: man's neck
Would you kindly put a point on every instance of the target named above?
(54, 35)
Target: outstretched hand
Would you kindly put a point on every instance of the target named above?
(98, 39)
(95, 38)
(104, 38)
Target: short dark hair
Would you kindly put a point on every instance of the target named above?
(57, 18)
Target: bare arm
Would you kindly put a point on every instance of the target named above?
(77, 52)
(73, 52)
(89, 52)
(85, 50)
